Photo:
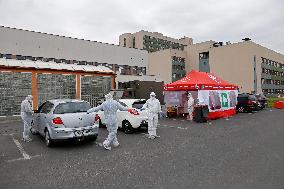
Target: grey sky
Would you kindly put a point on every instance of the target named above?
(219, 20)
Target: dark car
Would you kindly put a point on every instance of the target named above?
(247, 103)
(262, 100)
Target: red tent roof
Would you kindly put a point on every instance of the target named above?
(195, 80)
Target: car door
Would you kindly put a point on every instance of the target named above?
(121, 115)
(44, 118)
(36, 118)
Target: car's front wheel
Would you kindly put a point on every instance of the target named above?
(48, 140)
(127, 127)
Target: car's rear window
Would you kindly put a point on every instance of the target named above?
(122, 103)
(72, 107)
(138, 104)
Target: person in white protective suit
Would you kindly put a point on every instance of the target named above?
(27, 117)
(190, 104)
(110, 108)
(153, 108)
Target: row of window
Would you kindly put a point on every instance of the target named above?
(178, 59)
(123, 69)
(273, 72)
(272, 63)
(133, 42)
(178, 67)
(271, 82)
(153, 44)
(273, 91)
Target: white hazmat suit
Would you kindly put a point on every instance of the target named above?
(190, 104)
(153, 108)
(110, 108)
(27, 117)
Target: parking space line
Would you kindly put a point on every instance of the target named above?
(20, 147)
(7, 134)
(25, 155)
(170, 126)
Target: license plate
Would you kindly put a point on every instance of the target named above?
(82, 132)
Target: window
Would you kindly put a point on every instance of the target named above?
(133, 42)
(138, 104)
(124, 42)
(20, 57)
(123, 104)
(45, 108)
(72, 107)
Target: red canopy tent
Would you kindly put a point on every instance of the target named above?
(207, 84)
(195, 80)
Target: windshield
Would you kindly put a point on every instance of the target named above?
(138, 104)
(252, 97)
(72, 107)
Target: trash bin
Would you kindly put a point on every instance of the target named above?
(200, 113)
(278, 104)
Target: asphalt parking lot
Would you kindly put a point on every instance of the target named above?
(245, 151)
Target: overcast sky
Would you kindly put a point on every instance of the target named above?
(105, 20)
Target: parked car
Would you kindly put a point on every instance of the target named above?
(128, 121)
(63, 119)
(247, 103)
(262, 100)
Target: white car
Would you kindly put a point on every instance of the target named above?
(126, 120)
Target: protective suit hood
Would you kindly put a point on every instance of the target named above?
(152, 95)
(108, 97)
(29, 98)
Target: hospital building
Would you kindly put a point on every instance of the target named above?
(52, 66)
(253, 67)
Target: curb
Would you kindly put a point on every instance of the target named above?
(10, 118)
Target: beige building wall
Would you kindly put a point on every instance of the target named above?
(27, 43)
(128, 39)
(160, 63)
(265, 53)
(139, 39)
(233, 62)
(192, 53)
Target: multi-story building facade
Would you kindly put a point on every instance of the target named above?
(22, 44)
(152, 41)
(160, 46)
(168, 64)
(252, 67)
(52, 66)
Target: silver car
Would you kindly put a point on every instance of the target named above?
(65, 119)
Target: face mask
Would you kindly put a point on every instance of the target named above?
(152, 97)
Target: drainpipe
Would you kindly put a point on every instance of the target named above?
(254, 74)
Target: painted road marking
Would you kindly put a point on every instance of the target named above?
(177, 127)
(20, 147)
(25, 155)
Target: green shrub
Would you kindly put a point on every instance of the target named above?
(271, 100)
